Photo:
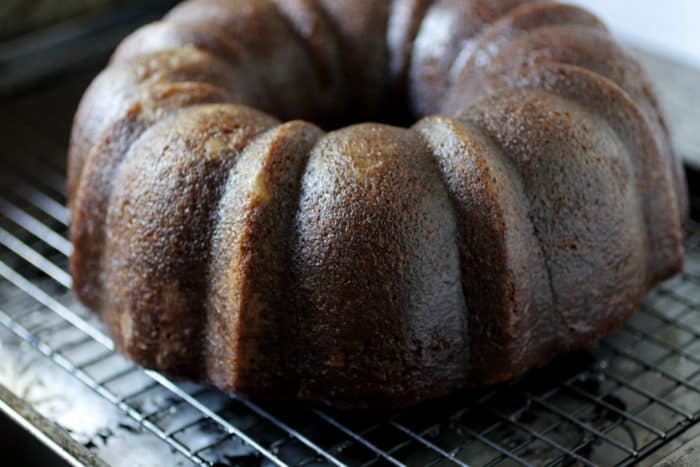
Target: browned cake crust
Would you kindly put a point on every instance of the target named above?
(526, 213)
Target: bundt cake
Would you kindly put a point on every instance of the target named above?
(522, 204)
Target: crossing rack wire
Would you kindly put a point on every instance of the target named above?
(625, 400)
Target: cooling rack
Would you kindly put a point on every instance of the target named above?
(630, 398)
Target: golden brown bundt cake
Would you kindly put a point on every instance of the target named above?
(526, 213)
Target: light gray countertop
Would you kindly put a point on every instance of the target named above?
(678, 86)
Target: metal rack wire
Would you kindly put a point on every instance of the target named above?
(614, 404)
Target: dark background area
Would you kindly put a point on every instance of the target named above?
(21, 448)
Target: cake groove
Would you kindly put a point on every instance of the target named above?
(313, 28)
(252, 333)
(652, 167)
(96, 181)
(567, 182)
(494, 229)
(116, 87)
(156, 257)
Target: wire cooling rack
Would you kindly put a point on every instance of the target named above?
(617, 403)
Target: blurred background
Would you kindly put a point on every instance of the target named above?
(669, 28)
(39, 38)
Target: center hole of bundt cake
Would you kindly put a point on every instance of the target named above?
(390, 111)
